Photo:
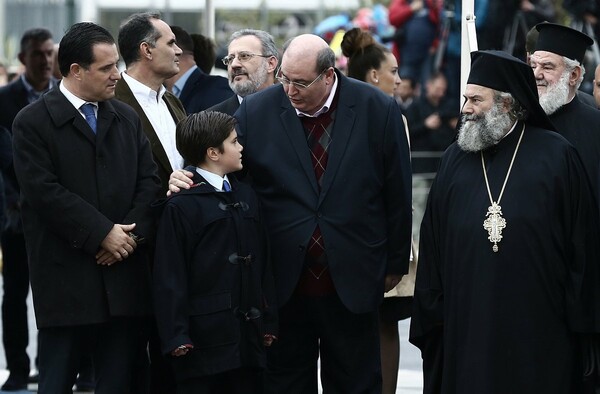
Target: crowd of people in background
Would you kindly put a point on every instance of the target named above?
(203, 230)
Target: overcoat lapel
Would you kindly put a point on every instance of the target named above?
(106, 115)
(343, 125)
(342, 129)
(294, 131)
(62, 111)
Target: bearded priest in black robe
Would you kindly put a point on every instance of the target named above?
(557, 65)
(507, 284)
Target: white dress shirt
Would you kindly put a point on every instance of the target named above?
(160, 117)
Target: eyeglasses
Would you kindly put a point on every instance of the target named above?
(298, 85)
(242, 57)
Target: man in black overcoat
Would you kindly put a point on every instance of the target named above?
(87, 180)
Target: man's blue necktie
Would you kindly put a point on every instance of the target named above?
(90, 116)
(226, 186)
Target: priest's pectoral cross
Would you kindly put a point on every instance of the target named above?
(494, 224)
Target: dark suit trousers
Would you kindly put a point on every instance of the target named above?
(348, 344)
(237, 381)
(162, 377)
(15, 273)
(113, 345)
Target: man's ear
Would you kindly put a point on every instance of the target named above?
(76, 70)
(145, 50)
(575, 75)
(272, 64)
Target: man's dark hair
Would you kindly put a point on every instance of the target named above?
(34, 35)
(436, 75)
(202, 48)
(205, 52)
(137, 28)
(200, 131)
(184, 40)
(77, 45)
(411, 81)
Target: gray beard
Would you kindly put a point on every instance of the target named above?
(556, 95)
(480, 132)
(253, 83)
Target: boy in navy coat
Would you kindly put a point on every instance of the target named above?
(213, 285)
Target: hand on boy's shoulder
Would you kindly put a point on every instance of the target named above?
(179, 179)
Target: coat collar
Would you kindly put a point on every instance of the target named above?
(202, 186)
(61, 112)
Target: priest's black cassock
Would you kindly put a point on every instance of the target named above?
(580, 125)
(578, 122)
(507, 322)
(511, 320)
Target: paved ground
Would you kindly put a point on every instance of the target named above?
(410, 379)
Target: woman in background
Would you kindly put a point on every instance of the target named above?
(370, 61)
(373, 63)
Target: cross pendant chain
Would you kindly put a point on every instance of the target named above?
(494, 223)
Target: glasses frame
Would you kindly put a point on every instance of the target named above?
(227, 60)
(298, 85)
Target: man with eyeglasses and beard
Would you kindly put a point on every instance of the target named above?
(558, 69)
(506, 289)
(251, 61)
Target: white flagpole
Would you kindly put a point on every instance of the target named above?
(468, 42)
(209, 19)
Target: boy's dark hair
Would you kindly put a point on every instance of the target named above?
(77, 45)
(200, 131)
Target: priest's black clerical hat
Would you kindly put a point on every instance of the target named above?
(505, 73)
(562, 40)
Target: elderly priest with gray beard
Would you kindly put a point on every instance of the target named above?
(507, 281)
(557, 65)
